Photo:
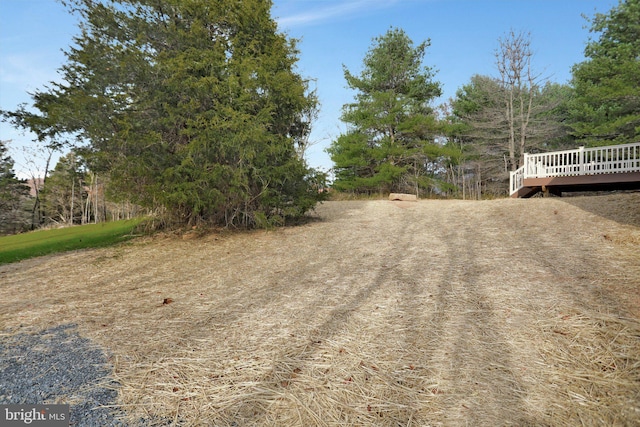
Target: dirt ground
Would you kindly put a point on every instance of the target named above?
(440, 312)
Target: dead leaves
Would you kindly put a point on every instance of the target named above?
(292, 376)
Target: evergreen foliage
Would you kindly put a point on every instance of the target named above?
(64, 193)
(390, 141)
(13, 196)
(606, 108)
(193, 107)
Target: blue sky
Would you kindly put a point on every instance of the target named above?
(333, 33)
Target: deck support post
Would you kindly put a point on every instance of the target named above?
(549, 191)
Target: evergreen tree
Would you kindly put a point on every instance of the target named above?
(13, 195)
(390, 141)
(192, 107)
(606, 108)
(64, 194)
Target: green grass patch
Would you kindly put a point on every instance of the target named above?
(43, 242)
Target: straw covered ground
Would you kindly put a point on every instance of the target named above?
(452, 313)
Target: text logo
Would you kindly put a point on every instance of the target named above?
(34, 415)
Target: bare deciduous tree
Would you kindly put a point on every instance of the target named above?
(513, 59)
(498, 119)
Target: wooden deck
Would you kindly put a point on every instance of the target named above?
(615, 167)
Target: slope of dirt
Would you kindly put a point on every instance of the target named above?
(506, 312)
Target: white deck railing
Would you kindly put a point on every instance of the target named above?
(582, 161)
(516, 180)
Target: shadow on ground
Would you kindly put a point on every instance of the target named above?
(622, 207)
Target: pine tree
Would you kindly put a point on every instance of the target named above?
(390, 140)
(606, 108)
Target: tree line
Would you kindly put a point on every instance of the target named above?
(397, 142)
(193, 111)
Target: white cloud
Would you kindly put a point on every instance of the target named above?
(334, 10)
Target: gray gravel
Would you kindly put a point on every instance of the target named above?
(59, 366)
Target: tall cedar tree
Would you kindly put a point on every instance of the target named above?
(606, 108)
(390, 139)
(193, 107)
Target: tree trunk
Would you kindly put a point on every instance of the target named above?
(73, 192)
(512, 131)
(95, 206)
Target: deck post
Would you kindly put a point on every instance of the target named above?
(549, 191)
(582, 167)
(525, 164)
